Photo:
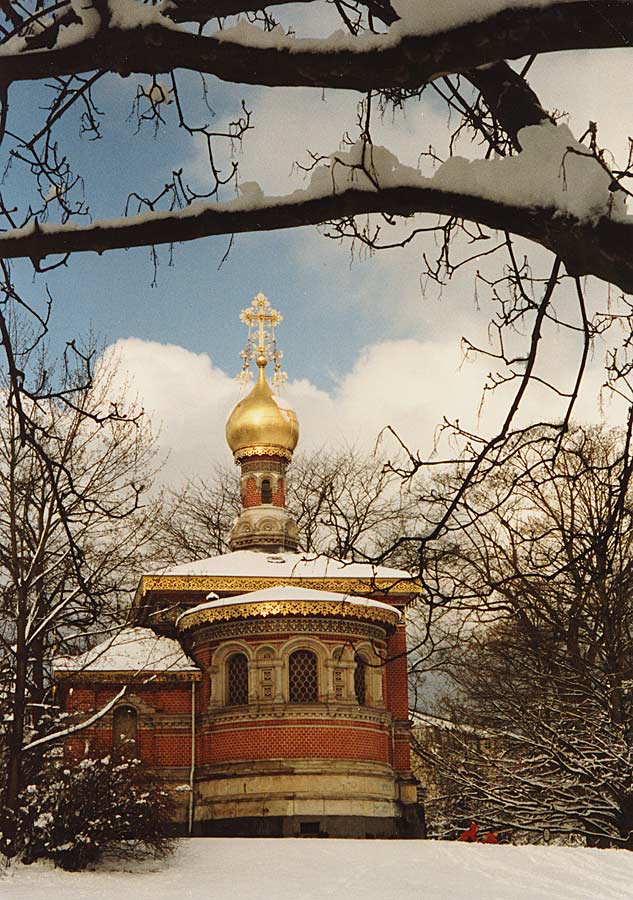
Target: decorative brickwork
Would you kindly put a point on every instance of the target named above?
(396, 674)
(300, 739)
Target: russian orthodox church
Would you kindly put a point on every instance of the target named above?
(267, 687)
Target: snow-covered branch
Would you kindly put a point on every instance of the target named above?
(204, 10)
(565, 204)
(80, 726)
(420, 46)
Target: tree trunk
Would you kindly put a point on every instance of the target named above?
(16, 737)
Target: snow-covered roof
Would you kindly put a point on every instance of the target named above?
(290, 593)
(130, 650)
(284, 565)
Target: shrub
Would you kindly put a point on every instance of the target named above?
(76, 811)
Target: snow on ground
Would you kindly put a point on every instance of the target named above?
(232, 869)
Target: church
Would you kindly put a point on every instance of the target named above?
(266, 687)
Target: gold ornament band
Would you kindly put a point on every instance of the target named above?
(262, 450)
(287, 608)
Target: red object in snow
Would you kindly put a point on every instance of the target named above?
(470, 835)
(490, 838)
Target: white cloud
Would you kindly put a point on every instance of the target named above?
(408, 384)
(290, 122)
(186, 396)
(591, 85)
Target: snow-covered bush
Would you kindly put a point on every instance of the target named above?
(78, 810)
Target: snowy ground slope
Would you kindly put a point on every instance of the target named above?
(231, 869)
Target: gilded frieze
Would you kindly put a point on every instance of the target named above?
(286, 608)
(263, 450)
(290, 624)
(243, 584)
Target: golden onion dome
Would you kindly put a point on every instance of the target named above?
(258, 426)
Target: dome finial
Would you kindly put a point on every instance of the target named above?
(259, 426)
(261, 344)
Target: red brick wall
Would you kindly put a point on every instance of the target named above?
(397, 696)
(158, 745)
(164, 698)
(402, 754)
(170, 744)
(303, 738)
(252, 497)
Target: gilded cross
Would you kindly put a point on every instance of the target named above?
(261, 319)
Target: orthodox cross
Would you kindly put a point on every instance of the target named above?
(261, 319)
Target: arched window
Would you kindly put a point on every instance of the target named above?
(303, 679)
(267, 491)
(125, 729)
(237, 678)
(360, 681)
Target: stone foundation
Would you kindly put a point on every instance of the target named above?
(306, 826)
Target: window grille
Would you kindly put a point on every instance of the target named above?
(125, 729)
(267, 491)
(303, 678)
(238, 680)
(360, 681)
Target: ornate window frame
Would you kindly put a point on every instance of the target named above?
(232, 675)
(341, 665)
(269, 671)
(218, 672)
(266, 491)
(305, 642)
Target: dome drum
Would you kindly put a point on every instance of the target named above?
(268, 527)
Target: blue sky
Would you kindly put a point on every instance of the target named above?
(317, 283)
(361, 333)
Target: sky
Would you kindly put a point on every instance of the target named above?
(368, 340)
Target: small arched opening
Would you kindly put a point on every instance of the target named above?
(267, 491)
(125, 729)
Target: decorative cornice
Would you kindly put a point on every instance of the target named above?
(243, 584)
(262, 450)
(139, 679)
(286, 608)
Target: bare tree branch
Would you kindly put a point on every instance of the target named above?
(407, 61)
(204, 10)
(604, 249)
